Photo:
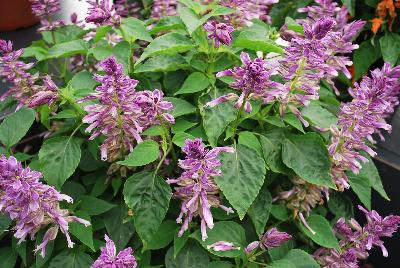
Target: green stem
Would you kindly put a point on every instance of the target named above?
(239, 115)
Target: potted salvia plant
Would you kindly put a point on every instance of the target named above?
(193, 134)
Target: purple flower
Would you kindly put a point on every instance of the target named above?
(125, 9)
(219, 32)
(253, 79)
(273, 238)
(356, 241)
(110, 258)
(25, 88)
(252, 246)
(162, 8)
(374, 99)
(32, 204)
(247, 10)
(196, 186)
(44, 9)
(223, 246)
(102, 12)
(117, 114)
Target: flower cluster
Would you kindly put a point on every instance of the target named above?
(248, 10)
(125, 9)
(302, 198)
(374, 98)
(383, 9)
(302, 67)
(162, 8)
(110, 258)
(24, 89)
(253, 79)
(32, 204)
(339, 41)
(223, 246)
(196, 186)
(356, 240)
(122, 113)
(44, 9)
(220, 33)
(271, 239)
(102, 12)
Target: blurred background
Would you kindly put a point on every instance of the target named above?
(19, 26)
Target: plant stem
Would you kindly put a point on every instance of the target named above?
(239, 115)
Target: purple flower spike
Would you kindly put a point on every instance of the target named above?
(196, 186)
(110, 258)
(356, 241)
(223, 246)
(273, 238)
(44, 9)
(25, 88)
(162, 8)
(125, 9)
(374, 99)
(102, 12)
(221, 33)
(32, 204)
(253, 79)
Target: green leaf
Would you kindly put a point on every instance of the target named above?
(163, 236)
(168, 44)
(180, 138)
(16, 125)
(362, 187)
(167, 23)
(179, 242)
(194, 83)
(163, 63)
(119, 229)
(370, 172)
(323, 232)
(271, 144)
(189, 18)
(181, 107)
(148, 195)
(68, 49)
(280, 252)
(243, 174)
(293, 25)
(144, 153)
(364, 57)
(390, 47)
(228, 231)
(94, 206)
(216, 119)
(220, 264)
(64, 34)
(281, 264)
(80, 231)
(59, 157)
(134, 29)
(250, 140)
(301, 259)
(260, 209)
(292, 120)
(308, 157)
(318, 116)
(182, 125)
(8, 257)
(351, 6)
(122, 51)
(341, 205)
(5, 222)
(71, 259)
(83, 80)
(192, 255)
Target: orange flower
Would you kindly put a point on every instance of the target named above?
(376, 24)
(383, 8)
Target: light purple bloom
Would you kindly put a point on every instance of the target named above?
(221, 33)
(102, 12)
(223, 246)
(253, 79)
(110, 259)
(374, 99)
(163, 8)
(356, 241)
(32, 204)
(273, 238)
(196, 186)
(44, 9)
(125, 9)
(25, 88)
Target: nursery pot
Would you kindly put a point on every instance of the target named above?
(16, 14)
